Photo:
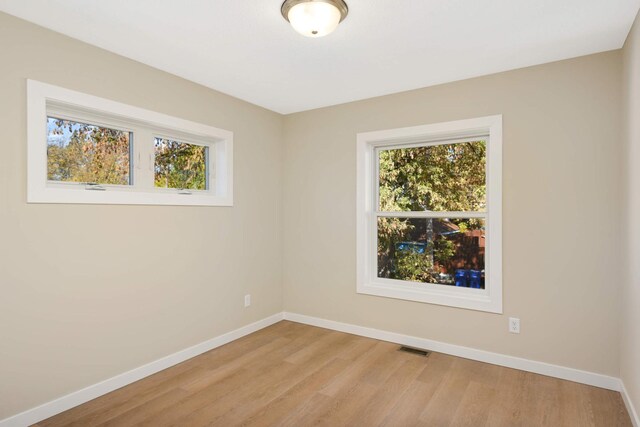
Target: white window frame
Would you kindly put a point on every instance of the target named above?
(368, 282)
(45, 100)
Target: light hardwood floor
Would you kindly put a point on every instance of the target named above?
(296, 375)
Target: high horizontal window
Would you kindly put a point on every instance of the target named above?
(85, 149)
(429, 212)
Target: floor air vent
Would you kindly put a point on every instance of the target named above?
(414, 351)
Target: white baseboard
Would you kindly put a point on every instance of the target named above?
(556, 371)
(635, 420)
(79, 397)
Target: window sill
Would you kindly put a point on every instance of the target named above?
(79, 195)
(472, 299)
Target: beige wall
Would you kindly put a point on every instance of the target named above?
(630, 324)
(562, 204)
(89, 292)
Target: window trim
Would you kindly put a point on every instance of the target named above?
(44, 99)
(488, 299)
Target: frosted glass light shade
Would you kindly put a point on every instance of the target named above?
(314, 18)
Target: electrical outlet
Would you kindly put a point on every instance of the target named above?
(247, 300)
(514, 325)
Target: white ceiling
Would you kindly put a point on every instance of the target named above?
(246, 49)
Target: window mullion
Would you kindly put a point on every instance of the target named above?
(143, 159)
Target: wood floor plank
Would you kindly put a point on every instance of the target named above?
(509, 399)
(172, 414)
(241, 360)
(607, 407)
(357, 369)
(139, 413)
(123, 399)
(210, 413)
(389, 393)
(343, 408)
(443, 404)
(475, 406)
(308, 412)
(407, 410)
(278, 410)
(268, 385)
(321, 345)
(357, 347)
(168, 391)
(291, 374)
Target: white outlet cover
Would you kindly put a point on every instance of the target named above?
(514, 325)
(247, 300)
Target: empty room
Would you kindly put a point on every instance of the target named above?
(320, 213)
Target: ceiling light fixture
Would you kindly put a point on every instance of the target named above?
(314, 18)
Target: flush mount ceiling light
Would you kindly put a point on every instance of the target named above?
(314, 18)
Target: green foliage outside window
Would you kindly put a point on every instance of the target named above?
(84, 153)
(448, 177)
(180, 165)
(79, 152)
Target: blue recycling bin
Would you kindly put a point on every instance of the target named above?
(462, 278)
(416, 247)
(475, 279)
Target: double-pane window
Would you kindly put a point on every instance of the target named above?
(429, 212)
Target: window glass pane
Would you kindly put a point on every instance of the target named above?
(448, 177)
(431, 250)
(80, 152)
(180, 165)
